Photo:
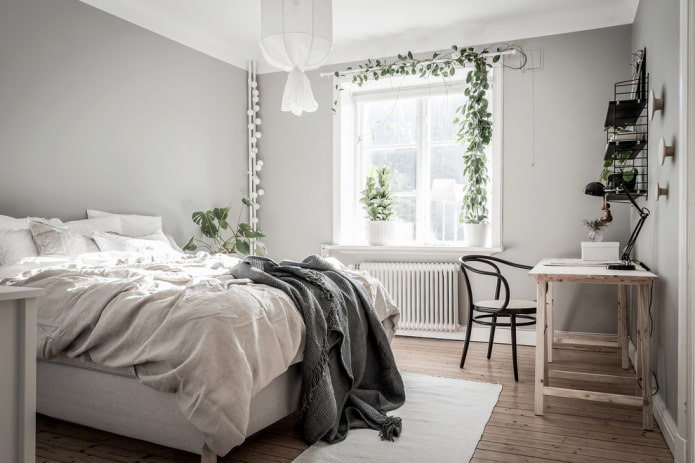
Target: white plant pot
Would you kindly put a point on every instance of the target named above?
(475, 234)
(384, 232)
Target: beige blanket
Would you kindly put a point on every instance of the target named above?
(186, 326)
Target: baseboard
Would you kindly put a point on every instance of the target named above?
(524, 337)
(669, 428)
(478, 334)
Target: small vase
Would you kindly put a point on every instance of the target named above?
(595, 235)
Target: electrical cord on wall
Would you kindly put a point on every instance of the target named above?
(656, 383)
(643, 265)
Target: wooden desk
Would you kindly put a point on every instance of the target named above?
(544, 273)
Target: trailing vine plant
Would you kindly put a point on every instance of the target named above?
(473, 118)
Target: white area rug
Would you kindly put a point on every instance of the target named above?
(443, 420)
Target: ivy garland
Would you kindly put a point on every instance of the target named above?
(473, 118)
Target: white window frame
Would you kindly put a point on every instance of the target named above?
(346, 165)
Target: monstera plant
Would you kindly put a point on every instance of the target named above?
(223, 237)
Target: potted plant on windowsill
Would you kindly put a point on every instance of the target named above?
(377, 200)
(475, 133)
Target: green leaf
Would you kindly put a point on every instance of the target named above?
(190, 246)
(243, 246)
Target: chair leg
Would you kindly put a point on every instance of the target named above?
(468, 338)
(492, 336)
(513, 327)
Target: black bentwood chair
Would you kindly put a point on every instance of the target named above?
(487, 312)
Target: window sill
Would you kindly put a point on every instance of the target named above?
(416, 251)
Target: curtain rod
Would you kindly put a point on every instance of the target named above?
(511, 51)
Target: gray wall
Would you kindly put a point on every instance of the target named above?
(656, 27)
(98, 113)
(553, 146)
(297, 170)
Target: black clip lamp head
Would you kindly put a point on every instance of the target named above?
(597, 189)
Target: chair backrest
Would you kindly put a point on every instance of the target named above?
(488, 266)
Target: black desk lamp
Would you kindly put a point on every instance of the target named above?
(597, 189)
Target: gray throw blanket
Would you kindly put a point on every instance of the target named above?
(350, 378)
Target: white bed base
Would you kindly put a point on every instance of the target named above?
(116, 402)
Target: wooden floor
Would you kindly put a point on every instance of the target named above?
(571, 430)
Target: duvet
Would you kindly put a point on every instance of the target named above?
(185, 324)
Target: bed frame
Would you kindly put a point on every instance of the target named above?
(113, 400)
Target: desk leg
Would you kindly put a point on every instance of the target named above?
(646, 356)
(541, 351)
(551, 322)
(622, 326)
(639, 357)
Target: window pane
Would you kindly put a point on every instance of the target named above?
(442, 115)
(446, 191)
(403, 165)
(447, 162)
(389, 122)
(444, 224)
(405, 212)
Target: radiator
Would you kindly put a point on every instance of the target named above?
(426, 293)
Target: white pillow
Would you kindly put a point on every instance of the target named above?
(132, 224)
(156, 236)
(7, 222)
(151, 244)
(86, 227)
(15, 244)
(59, 241)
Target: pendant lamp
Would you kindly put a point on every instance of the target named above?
(296, 35)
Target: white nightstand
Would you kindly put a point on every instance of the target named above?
(18, 378)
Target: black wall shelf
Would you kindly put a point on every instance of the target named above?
(629, 148)
(623, 113)
(627, 135)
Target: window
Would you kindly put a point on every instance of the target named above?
(407, 125)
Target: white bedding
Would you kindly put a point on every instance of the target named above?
(186, 326)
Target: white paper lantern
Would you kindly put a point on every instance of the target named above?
(296, 36)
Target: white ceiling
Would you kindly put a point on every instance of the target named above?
(230, 29)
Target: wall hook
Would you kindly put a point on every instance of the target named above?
(665, 150)
(655, 104)
(661, 191)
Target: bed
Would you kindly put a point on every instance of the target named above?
(108, 353)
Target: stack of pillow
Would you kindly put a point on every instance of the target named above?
(101, 231)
